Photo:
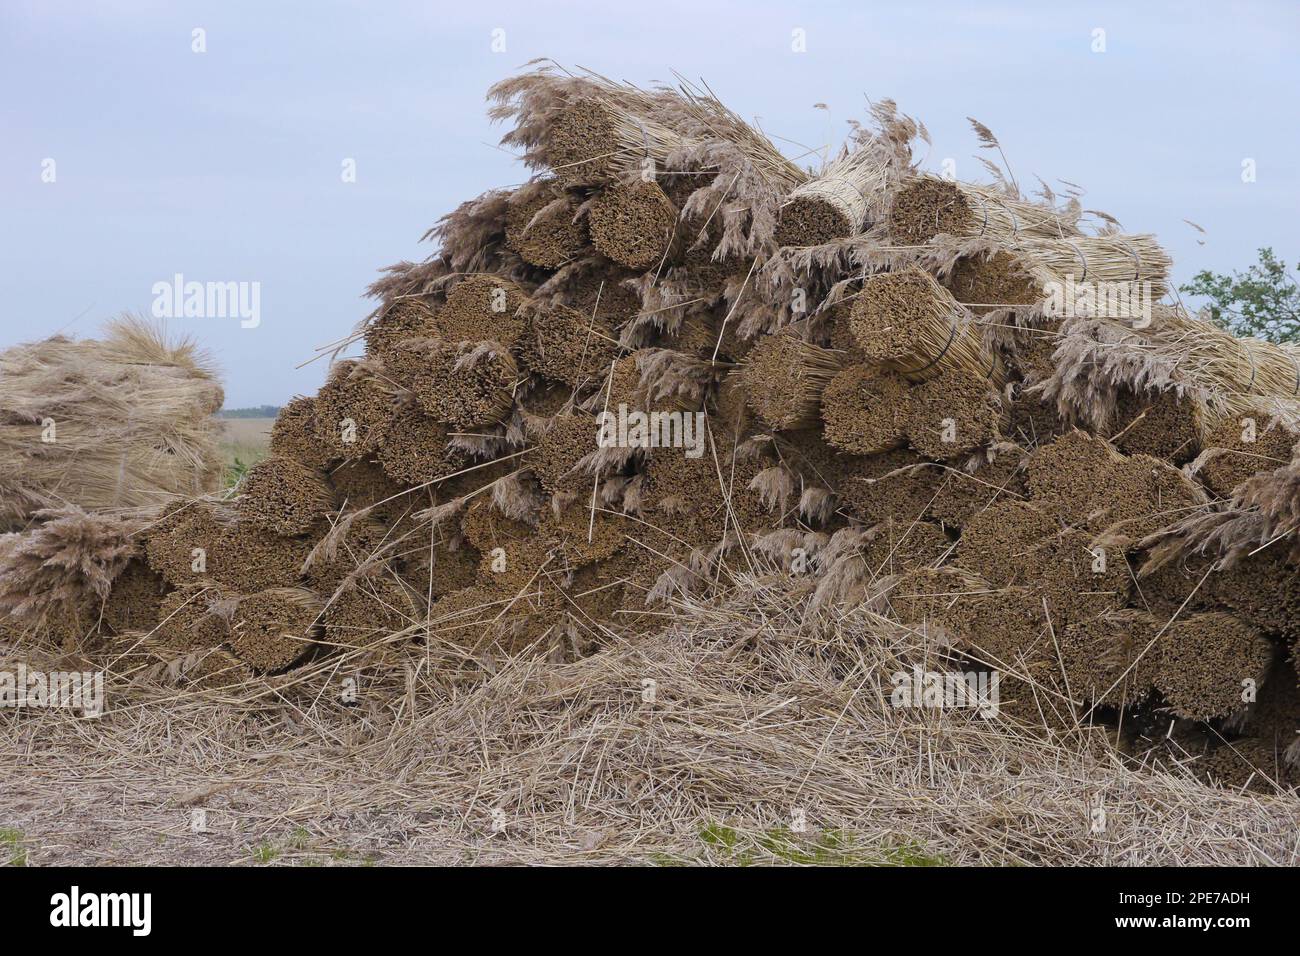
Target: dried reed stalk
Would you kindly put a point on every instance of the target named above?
(784, 377)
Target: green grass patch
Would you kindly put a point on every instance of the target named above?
(11, 847)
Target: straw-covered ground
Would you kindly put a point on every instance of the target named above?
(751, 731)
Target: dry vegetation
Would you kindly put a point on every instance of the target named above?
(439, 621)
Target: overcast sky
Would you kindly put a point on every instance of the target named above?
(226, 165)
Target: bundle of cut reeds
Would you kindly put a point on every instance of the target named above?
(907, 322)
(118, 422)
(929, 206)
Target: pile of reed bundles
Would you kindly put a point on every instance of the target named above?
(449, 488)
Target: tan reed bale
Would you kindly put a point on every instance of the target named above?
(275, 628)
(567, 345)
(1205, 661)
(837, 204)
(583, 537)
(368, 612)
(430, 569)
(1142, 495)
(633, 224)
(903, 545)
(1263, 589)
(1239, 447)
(480, 308)
(1077, 579)
(889, 485)
(784, 377)
(1031, 420)
(191, 618)
(353, 409)
(354, 547)
(1163, 425)
(864, 410)
(293, 434)
(467, 385)
(512, 552)
(481, 621)
(365, 484)
(694, 502)
(582, 142)
(416, 449)
(563, 442)
(247, 558)
(984, 283)
(1071, 476)
(407, 317)
(924, 598)
(1248, 763)
(952, 414)
(133, 603)
(1186, 585)
(929, 206)
(1106, 263)
(728, 416)
(1005, 543)
(962, 492)
(907, 322)
(283, 497)
(171, 541)
(217, 668)
(541, 225)
(1111, 659)
(124, 421)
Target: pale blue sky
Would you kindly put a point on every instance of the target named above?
(225, 166)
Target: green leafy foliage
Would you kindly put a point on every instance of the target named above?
(1263, 301)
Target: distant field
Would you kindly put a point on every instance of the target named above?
(243, 444)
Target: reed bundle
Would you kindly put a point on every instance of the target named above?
(1237, 447)
(404, 318)
(281, 496)
(542, 225)
(838, 204)
(353, 409)
(190, 618)
(481, 308)
(863, 410)
(293, 434)
(634, 224)
(125, 421)
(784, 378)
(1204, 661)
(929, 206)
(273, 629)
(953, 413)
(1120, 261)
(910, 324)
